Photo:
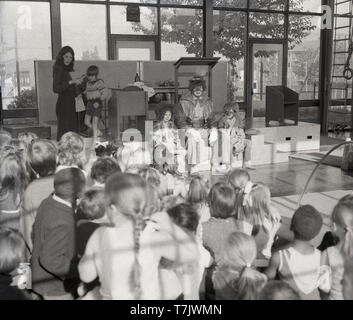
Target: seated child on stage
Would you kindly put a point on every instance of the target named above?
(238, 143)
(96, 93)
(299, 265)
(168, 152)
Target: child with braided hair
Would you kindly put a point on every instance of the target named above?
(112, 252)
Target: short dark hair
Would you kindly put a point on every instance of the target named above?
(11, 247)
(92, 70)
(92, 205)
(42, 156)
(222, 200)
(278, 290)
(69, 183)
(185, 216)
(103, 168)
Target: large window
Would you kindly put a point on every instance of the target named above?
(266, 25)
(85, 33)
(147, 25)
(305, 5)
(24, 37)
(229, 44)
(304, 55)
(181, 33)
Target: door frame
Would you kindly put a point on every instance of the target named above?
(249, 68)
(112, 54)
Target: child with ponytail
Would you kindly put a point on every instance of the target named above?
(333, 257)
(112, 252)
(234, 278)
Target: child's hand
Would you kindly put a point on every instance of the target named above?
(95, 105)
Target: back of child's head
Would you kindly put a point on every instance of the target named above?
(11, 249)
(43, 156)
(126, 195)
(153, 201)
(306, 223)
(239, 254)
(198, 190)
(221, 200)
(342, 217)
(278, 290)
(92, 204)
(238, 178)
(103, 168)
(69, 184)
(254, 204)
(27, 138)
(14, 176)
(71, 150)
(92, 70)
(185, 216)
(171, 201)
(151, 176)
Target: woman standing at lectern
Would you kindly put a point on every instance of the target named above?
(64, 86)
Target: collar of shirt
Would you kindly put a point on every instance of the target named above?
(66, 203)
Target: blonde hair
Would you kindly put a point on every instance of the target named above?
(70, 150)
(256, 207)
(198, 190)
(345, 221)
(27, 138)
(238, 178)
(239, 254)
(151, 176)
(127, 192)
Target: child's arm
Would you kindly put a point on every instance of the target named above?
(271, 270)
(103, 90)
(87, 267)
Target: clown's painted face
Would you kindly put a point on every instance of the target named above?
(198, 91)
(230, 114)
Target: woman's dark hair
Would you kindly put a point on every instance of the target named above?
(42, 157)
(103, 168)
(59, 62)
(222, 200)
(185, 216)
(92, 204)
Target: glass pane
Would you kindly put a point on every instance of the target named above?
(183, 2)
(135, 50)
(229, 44)
(309, 114)
(181, 33)
(86, 35)
(304, 56)
(305, 5)
(266, 25)
(267, 71)
(24, 37)
(230, 3)
(119, 25)
(268, 4)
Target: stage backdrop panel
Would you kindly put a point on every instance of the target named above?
(119, 74)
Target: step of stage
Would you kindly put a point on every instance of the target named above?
(267, 154)
(304, 136)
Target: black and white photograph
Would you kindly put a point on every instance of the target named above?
(176, 154)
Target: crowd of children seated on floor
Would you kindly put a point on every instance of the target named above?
(116, 227)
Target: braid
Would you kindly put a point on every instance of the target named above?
(136, 272)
